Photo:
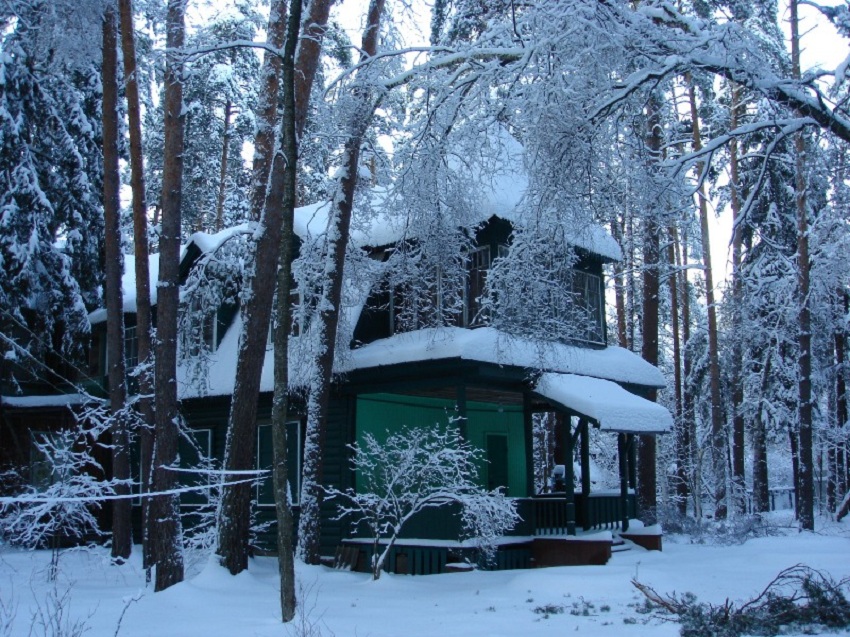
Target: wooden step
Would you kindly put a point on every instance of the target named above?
(619, 545)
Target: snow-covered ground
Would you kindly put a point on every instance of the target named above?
(593, 600)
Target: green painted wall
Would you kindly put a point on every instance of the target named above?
(379, 413)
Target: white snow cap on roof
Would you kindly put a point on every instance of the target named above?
(128, 286)
(382, 220)
(502, 193)
(483, 344)
(489, 345)
(614, 408)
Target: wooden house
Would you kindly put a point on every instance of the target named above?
(396, 373)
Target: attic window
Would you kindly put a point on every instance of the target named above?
(210, 331)
(477, 266)
(131, 347)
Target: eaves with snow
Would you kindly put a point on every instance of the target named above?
(586, 381)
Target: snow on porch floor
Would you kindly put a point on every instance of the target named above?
(212, 603)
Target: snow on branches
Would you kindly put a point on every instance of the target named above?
(417, 469)
(66, 489)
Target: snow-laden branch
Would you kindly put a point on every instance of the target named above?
(683, 44)
(416, 469)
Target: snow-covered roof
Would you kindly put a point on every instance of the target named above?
(52, 400)
(207, 242)
(614, 408)
(483, 344)
(358, 281)
(383, 220)
(128, 286)
(386, 222)
(501, 192)
(489, 345)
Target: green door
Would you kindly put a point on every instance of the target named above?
(497, 459)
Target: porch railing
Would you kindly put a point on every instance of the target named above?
(596, 511)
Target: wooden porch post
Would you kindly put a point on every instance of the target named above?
(528, 424)
(623, 453)
(461, 409)
(584, 428)
(569, 446)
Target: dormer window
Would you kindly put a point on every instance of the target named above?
(476, 276)
(537, 285)
(478, 264)
(131, 347)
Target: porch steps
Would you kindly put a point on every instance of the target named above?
(619, 545)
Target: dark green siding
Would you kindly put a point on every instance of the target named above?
(337, 469)
(378, 414)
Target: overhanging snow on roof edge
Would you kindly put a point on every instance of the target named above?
(51, 400)
(489, 345)
(604, 401)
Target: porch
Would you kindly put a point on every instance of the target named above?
(494, 407)
(542, 538)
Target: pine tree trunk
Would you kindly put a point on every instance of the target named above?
(308, 57)
(689, 429)
(832, 479)
(309, 526)
(631, 281)
(761, 492)
(619, 285)
(222, 171)
(805, 483)
(718, 430)
(234, 513)
(647, 482)
(838, 476)
(140, 243)
(739, 481)
(122, 540)
(234, 516)
(165, 508)
(289, 157)
(682, 460)
(266, 112)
